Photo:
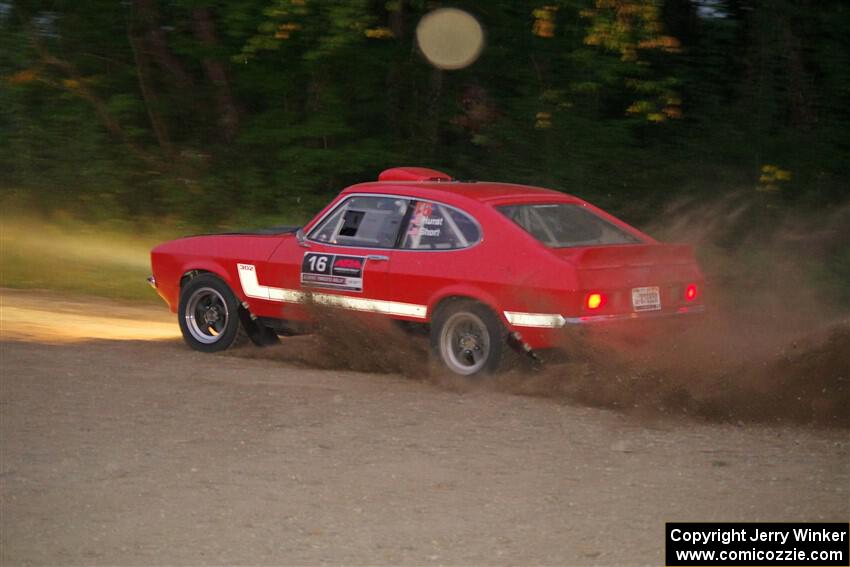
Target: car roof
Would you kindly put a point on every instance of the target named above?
(458, 191)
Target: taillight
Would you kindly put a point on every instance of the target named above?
(691, 292)
(594, 301)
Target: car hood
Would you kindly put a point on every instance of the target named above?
(227, 247)
(270, 231)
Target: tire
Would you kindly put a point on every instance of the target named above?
(468, 339)
(208, 314)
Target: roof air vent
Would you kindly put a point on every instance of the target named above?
(413, 174)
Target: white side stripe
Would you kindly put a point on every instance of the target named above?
(372, 305)
(286, 295)
(250, 285)
(252, 288)
(544, 320)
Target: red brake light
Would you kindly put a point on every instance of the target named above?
(594, 301)
(691, 292)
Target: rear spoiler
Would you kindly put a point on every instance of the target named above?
(634, 255)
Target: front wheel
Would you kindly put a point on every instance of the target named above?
(208, 313)
(468, 338)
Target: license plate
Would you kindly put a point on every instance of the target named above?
(646, 298)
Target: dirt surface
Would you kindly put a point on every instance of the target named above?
(142, 452)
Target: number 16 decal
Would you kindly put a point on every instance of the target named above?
(317, 264)
(332, 271)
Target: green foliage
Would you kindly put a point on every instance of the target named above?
(247, 111)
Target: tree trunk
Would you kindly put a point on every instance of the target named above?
(149, 95)
(204, 27)
(394, 89)
(435, 89)
(147, 16)
(799, 91)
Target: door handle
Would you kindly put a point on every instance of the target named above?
(377, 258)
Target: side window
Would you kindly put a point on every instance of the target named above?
(372, 222)
(434, 226)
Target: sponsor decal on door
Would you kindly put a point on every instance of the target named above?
(332, 271)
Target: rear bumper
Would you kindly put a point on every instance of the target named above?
(557, 321)
(536, 331)
(595, 319)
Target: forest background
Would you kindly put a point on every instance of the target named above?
(132, 119)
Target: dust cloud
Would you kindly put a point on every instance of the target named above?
(774, 346)
(346, 341)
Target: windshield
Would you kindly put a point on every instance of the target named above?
(564, 225)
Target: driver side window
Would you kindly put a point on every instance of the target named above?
(370, 222)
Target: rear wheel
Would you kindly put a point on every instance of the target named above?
(208, 313)
(468, 338)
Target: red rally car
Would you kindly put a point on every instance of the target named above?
(483, 267)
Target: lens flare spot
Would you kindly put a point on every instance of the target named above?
(450, 38)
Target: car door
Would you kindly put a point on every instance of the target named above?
(437, 251)
(344, 260)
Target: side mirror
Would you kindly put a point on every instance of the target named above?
(301, 238)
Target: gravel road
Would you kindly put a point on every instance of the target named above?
(141, 452)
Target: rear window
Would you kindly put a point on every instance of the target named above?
(564, 225)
